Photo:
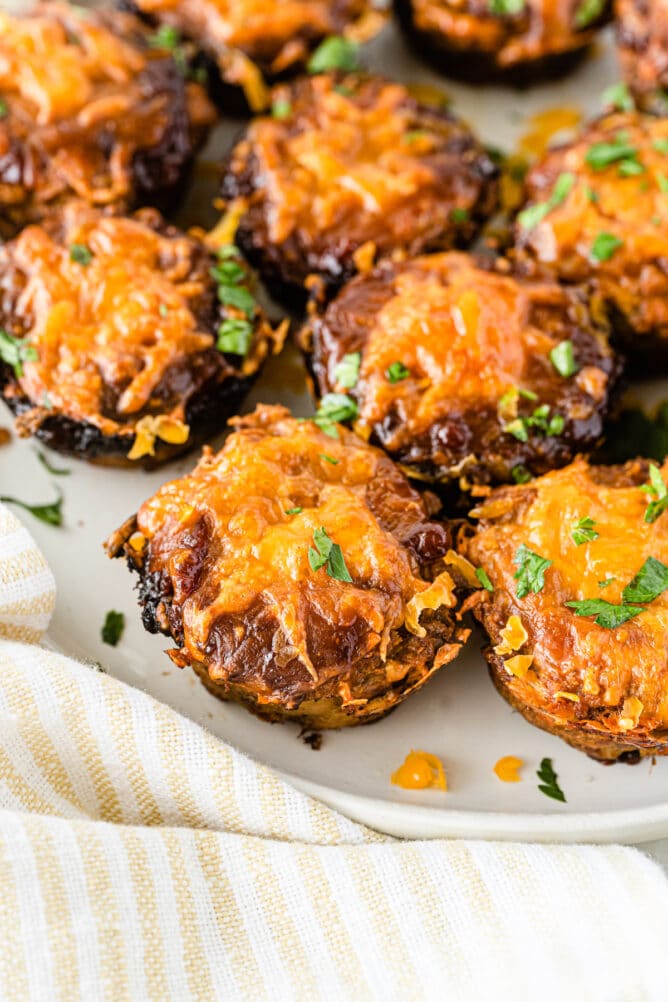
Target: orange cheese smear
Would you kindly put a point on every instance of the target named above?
(507, 769)
(547, 124)
(420, 771)
(120, 321)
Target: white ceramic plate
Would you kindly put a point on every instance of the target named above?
(458, 716)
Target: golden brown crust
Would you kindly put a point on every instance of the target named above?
(642, 40)
(122, 314)
(471, 338)
(475, 40)
(621, 201)
(356, 162)
(604, 690)
(223, 556)
(65, 74)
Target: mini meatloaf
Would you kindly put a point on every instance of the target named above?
(249, 41)
(513, 41)
(350, 169)
(642, 42)
(296, 573)
(577, 612)
(597, 213)
(88, 107)
(123, 340)
(460, 370)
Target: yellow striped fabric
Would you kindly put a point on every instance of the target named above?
(143, 859)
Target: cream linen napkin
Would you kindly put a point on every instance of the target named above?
(143, 859)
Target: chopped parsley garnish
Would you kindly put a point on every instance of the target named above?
(549, 781)
(483, 578)
(661, 145)
(231, 276)
(335, 408)
(347, 372)
(618, 96)
(293, 511)
(4, 110)
(163, 310)
(281, 109)
(592, 196)
(414, 135)
(583, 531)
(81, 254)
(531, 569)
(606, 582)
(657, 490)
(604, 246)
(650, 582)
(335, 53)
(49, 513)
(540, 420)
(459, 215)
(14, 351)
(520, 474)
(511, 396)
(563, 359)
(508, 8)
(325, 553)
(235, 337)
(631, 168)
(535, 214)
(397, 372)
(602, 155)
(112, 630)
(662, 182)
(168, 37)
(328, 459)
(55, 471)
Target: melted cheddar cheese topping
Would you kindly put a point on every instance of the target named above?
(260, 501)
(631, 208)
(107, 332)
(579, 666)
(344, 154)
(542, 27)
(463, 334)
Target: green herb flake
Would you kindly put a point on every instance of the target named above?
(347, 371)
(658, 492)
(591, 195)
(535, 214)
(4, 109)
(163, 310)
(606, 582)
(549, 781)
(112, 630)
(606, 614)
(335, 53)
(540, 419)
(238, 297)
(50, 513)
(602, 155)
(333, 409)
(293, 511)
(325, 553)
(281, 109)
(563, 359)
(329, 459)
(483, 578)
(517, 429)
(55, 471)
(81, 254)
(506, 8)
(14, 351)
(459, 215)
(166, 37)
(531, 569)
(235, 337)
(604, 246)
(397, 372)
(618, 96)
(520, 474)
(662, 182)
(661, 145)
(583, 531)
(650, 582)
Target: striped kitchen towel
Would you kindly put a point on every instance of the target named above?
(143, 859)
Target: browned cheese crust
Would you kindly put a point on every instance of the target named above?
(116, 320)
(518, 42)
(603, 690)
(223, 558)
(89, 108)
(355, 169)
(610, 228)
(642, 42)
(475, 345)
